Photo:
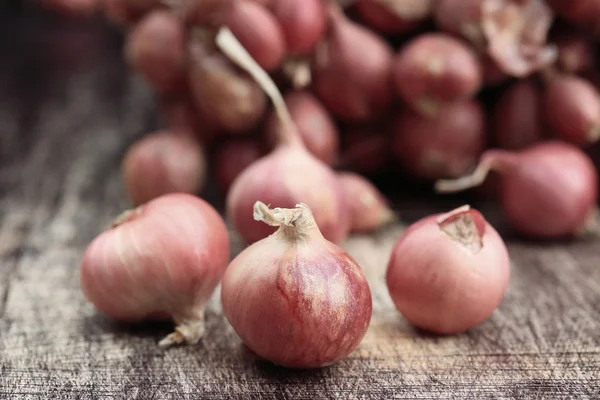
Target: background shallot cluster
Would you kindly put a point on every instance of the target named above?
(296, 104)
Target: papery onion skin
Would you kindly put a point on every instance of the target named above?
(296, 299)
(164, 259)
(284, 178)
(443, 286)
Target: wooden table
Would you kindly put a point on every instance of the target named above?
(68, 110)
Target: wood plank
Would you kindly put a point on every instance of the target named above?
(67, 116)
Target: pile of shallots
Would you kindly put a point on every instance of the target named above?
(288, 106)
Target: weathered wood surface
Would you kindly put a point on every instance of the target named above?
(68, 110)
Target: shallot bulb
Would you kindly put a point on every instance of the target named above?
(161, 163)
(155, 48)
(575, 53)
(352, 70)
(369, 209)
(288, 175)
(394, 16)
(162, 260)
(549, 190)
(232, 157)
(518, 116)
(441, 147)
(573, 109)
(259, 32)
(435, 69)
(366, 148)
(448, 272)
(207, 13)
(315, 126)
(228, 98)
(303, 23)
(581, 13)
(295, 298)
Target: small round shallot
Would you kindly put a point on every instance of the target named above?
(315, 126)
(549, 190)
(162, 260)
(155, 48)
(230, 99)
(369, 209)
(461, 17)
(573, 109)
(352, 70)
(303, 23)
(441, 147)
(435, 69)
(259, 32)
(295, 298)
(232, 157)
(366, 148)
(163, 162)
(449, 272)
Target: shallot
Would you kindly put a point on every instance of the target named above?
(227, 97)
(435, 69)
(548, 190)
(232, 157)
(366, 148)
(461, 17)
(352, 70)
(573, 109)
(448, 272)
(315, 126)
(441, 147)
(163, 162)
(155, 48)
(286, 176)
(162, 260)
(295, 298)
(259, 32)
(369, 209)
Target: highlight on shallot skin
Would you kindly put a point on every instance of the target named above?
(295, 298)
(162, 260)
(448, 272)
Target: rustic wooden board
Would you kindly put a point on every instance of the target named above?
(68, 110)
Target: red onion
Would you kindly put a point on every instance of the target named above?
(232, 157)
(573, 109)
(549, 190)
(161, 163)
(393, 16)
(315, 126)
(155, 48)
(288, 175)
(259, 32)
(435, 69)
(295, 298)
(161, 260)
(449, 272)
(445, 146)
(518, 116)
(369, 209)
(228, 98)
(352, 70)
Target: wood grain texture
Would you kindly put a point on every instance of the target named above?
(68, 110)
